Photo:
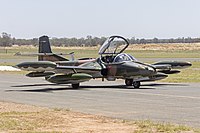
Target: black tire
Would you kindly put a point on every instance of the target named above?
(75, 86)
(136, 84)
(128, 82)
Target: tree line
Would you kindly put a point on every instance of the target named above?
(6, 40)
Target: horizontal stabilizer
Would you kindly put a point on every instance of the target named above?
(36, 54)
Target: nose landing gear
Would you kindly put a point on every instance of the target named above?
(130, 82)
(75, 86)
(136, 84)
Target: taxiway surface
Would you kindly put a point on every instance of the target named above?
(163, 102)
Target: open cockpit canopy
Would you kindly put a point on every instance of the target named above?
(114, 45)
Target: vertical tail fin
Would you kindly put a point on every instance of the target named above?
(45, 48)
(44, 45)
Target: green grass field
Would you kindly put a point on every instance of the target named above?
(191, 74)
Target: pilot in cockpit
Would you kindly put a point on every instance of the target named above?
(123, 57)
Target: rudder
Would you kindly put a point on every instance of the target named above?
(44, 45)
(45, 53)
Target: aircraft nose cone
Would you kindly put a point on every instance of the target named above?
(188, 64)
(18, 66)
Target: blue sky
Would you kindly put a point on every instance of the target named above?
(79, 18)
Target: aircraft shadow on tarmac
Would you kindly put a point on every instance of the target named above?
(164, 84)
(123, 87)
(49, 89)
(31, 85)
(43, 90)
(143, 86)
(87, 87)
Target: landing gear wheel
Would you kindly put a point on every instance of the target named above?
(136, 84)
(129, 82)
(75, 86)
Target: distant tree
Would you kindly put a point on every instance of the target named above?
(155, 40)
(132, 40)
(6, 40)
(13, 41)
(143, 41)
(34, 41)
(88, 40)
(102, 40)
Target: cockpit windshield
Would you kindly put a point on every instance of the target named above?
(123, 57)
(114, 45)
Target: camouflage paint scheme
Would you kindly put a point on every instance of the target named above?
(111, 65)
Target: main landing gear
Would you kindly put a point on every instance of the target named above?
(130, 82)
(136, 84)
(75, 86)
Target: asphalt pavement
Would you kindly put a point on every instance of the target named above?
(163, 102)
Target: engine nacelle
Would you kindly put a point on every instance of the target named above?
(170, 71)
(157, 76)
(39, 74)
(69, 79)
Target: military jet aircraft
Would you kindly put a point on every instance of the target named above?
(111, 64)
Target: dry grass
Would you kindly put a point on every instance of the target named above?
(18, 118)
(137, 50)
(171, 47)
(25, 118)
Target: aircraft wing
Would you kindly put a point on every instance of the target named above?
(173, 64)
(168, 67)
(77, 69)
